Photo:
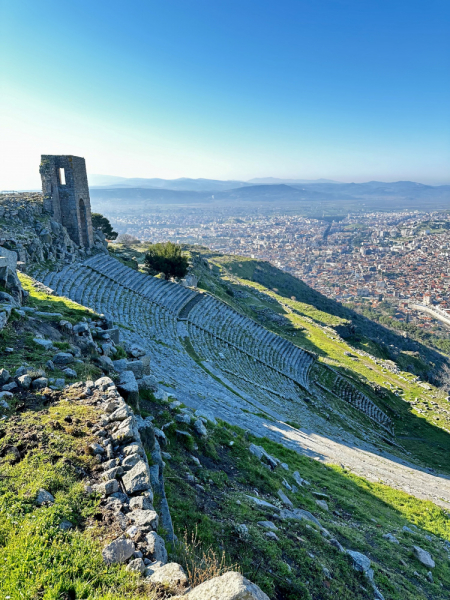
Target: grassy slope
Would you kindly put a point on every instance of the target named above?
(209, 501)
(421, 416)
(42, 561)
(37, 558)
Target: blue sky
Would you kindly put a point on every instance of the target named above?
(351, 90)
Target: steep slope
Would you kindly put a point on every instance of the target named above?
(298, 528)
(318, 417)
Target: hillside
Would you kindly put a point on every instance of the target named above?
(295, 440)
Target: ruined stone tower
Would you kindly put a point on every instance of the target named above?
(66, 196)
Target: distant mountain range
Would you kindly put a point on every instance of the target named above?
(375, 195)
(182, 184)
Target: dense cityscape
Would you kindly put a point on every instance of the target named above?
(392, 259)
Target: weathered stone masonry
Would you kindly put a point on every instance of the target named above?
(66, 196)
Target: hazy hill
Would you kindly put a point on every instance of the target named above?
(334, 197)
(182, 184)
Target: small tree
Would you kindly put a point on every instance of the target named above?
(166, 258)
(127, 239)
(102, 223)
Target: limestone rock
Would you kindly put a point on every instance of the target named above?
(137, 479)
(137, 367)
(136, 565)
(230, 586)
(24, 382)
(361, 562)
(171, 576)
(4, 376)
(262, 503)
(260, 453)
(141, 502)
(39, 383)
(148, 383)
(424, 557)
(107, 487)
(284, 499)
(391, 538)
(156, 547)
(118, 551)
(103, 383)
(46, 344)
(44, 497)
(129, 389)
(146, 519)
(200, 428)
(268, 525)
(62, 359)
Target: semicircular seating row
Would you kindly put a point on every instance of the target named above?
(240, 347)
(345, 390)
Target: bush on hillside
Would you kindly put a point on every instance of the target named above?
(166, 258)
(102, 223)
(127, 239)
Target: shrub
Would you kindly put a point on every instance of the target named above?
(166, 258)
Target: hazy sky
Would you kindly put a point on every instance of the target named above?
(343, 89)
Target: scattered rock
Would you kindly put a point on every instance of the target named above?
(118, 551)
(46, 344)
(284, 499)
(136, 565)
(44, 497)
(391, 538)
(200, 428)
(24, 382)
(424, 557)
(39, 383)
(141, 502)
(361, 562)
(70, 372)
(171, 576)
(322, 504)
(260, 453)
(107, 487)
(145, 519)
(268, 525)
(62, 359)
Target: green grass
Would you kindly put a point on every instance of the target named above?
(310, 321)
(37, 558)
(70, 311)
(360, 513)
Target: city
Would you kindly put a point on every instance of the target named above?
(394, 260)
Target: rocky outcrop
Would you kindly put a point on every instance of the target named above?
(34, 236)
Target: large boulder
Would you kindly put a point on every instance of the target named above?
(230, 586)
